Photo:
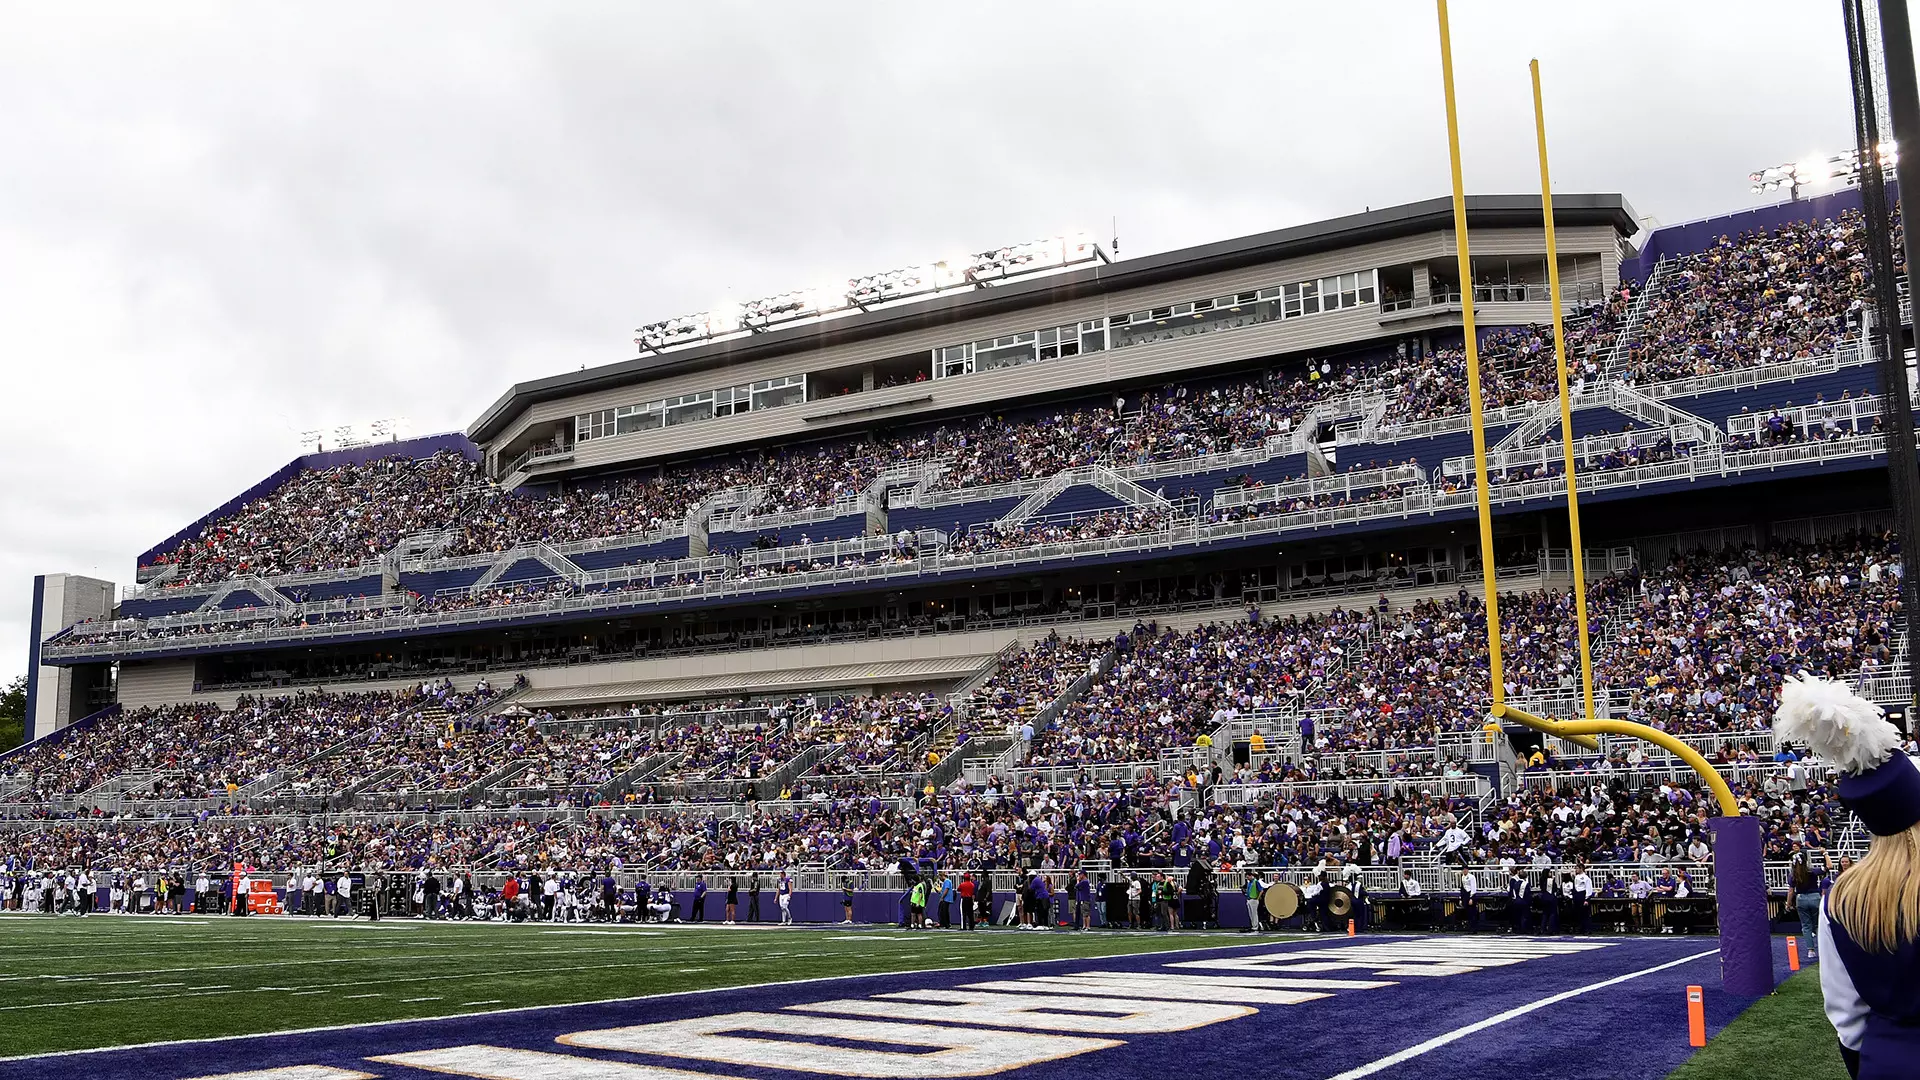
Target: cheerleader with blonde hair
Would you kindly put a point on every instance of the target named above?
(1870, 924)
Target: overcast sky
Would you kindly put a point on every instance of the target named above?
(223, 225)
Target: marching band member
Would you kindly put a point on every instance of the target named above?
(1519, 899)
(1870, 924)
(1469, 898)
(1583, 897)
(1312, 897)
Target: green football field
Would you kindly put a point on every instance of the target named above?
(70, 984)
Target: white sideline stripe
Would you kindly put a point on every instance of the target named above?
(575, 1004)
(1517, 1011)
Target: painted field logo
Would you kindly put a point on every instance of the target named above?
(1287, 1006)
(982, 1028)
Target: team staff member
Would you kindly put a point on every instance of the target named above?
(1870, 923)
(966, 891)
(1252, 891)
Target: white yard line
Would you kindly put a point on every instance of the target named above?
(1514, 1013)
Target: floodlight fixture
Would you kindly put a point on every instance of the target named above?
(975, 271)
(1815, 170)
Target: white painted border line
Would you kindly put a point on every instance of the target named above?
(1514, 1013)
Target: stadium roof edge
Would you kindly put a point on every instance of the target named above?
(1486, 211)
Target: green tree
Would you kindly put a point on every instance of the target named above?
(13, 713)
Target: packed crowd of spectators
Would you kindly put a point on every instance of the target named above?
(325, 519)
(1615, 817)
(1165, 688)
(200, 750)
(1746, 300)
(1027, 680)
(1760, 297)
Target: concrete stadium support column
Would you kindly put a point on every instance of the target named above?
(1740, 896)
(56, 696)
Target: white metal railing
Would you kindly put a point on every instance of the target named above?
(1856, 415)
(1539, 292)
(835, 551)
(1336, 484)
(1585, 449)
(538, 455)
(1229, 794)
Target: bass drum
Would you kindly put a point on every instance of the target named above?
(1281, 901)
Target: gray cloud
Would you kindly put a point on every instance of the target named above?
(222, 225)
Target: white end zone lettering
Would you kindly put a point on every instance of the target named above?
(1037, 1012)
(503, 1063)
(1247, 990)
(1427, 957)
(958, 1051)
(293, 1072)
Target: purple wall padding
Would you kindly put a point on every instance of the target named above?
(1740, 892)
(426, 446)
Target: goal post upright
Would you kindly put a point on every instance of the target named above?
(1475, 411)
(1577, 554)
(1739, 880)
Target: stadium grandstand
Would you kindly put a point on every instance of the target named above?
(1032, 560)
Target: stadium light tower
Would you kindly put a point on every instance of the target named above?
(1815, 170)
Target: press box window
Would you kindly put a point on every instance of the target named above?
(689, 408)
(773, 393)
(632, 418)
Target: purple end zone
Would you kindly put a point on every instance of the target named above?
(1740, 893)
(1623, 1002)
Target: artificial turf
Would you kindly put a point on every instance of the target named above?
(68, 984)
(1783, 1034)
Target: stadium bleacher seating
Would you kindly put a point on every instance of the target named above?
(1243, 738)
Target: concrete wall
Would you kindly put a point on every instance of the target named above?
(56, 696)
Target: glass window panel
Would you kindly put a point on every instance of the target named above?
(687, 409)
(777, 396)
(1003, 356)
